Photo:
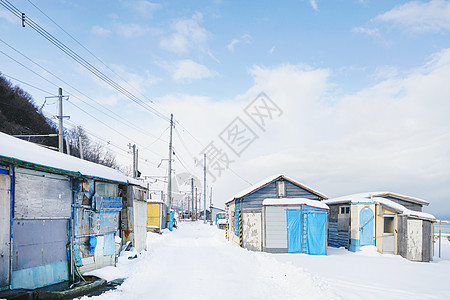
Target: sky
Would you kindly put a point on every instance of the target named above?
(344, 96)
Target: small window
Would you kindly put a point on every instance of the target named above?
(388, 224)
(104, 189)
(345, 210)
(281, 189)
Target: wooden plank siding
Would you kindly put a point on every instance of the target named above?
(253, 201)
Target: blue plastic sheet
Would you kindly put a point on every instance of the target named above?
(92, 244)
(294, 231)
(316, 233)
(237, 227)
(171, 221)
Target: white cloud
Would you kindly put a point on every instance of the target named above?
(231, 45)
(374, 32)
(132, 30)
(419, 16)
(244, 39)
(189, 69)
(9, 17)
(314, 4)
(100, 31)
(393, 135)
(187, 34)
(145, 8)
(271, 50)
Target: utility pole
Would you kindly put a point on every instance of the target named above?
(196, 204)
(60, 121)
(169, 185)
(204, 188)
(192, 198)
(210, 207)
(134, 158)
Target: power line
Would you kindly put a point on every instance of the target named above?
(78, 58)
(118, 117)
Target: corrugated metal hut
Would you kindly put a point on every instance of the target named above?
(244, 211)
(156, 216)
(295, 225)
(40, 219)
(392, 222)
(134, 214)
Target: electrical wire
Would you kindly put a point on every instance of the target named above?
(26, 20)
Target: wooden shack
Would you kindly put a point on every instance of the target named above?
(392, 222)
(245, 210)
(156, 216)
(51, 205)
(134, 214)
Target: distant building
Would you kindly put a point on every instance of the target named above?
(268, 216)
(392, 222)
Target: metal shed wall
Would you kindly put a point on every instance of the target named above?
(275, 229)
(5, 227)
(42, 209)
(140, 225)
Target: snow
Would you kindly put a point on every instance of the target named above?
(268, 180)
(32, 153)
(364, 197)
(377, 198)
(196, 262)
(137, 182)
(294, 201)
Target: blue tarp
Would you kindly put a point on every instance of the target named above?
(307, 231)
(317, 233)
(171, 221)
(294, 231)
(236, 218)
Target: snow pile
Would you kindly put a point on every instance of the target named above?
(294, 201)
(368, 250)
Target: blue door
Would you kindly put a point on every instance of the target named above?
(294, 231)
(366, 226)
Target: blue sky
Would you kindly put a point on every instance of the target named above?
(362, 85)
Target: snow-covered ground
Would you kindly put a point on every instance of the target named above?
(196, 262)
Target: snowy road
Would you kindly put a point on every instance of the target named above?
(195, 262)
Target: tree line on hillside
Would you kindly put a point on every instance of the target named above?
(19, 115)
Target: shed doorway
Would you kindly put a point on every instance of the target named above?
(5, 227)
(388, 234)
(366, 227)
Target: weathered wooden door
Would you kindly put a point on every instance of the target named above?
(5, 226)
(414, 244)
(366, 226)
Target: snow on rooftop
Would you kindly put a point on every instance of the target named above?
(137, 182)
(377, 197)
(366, 197)
(268, 180)
(294, 201)
(21, 150)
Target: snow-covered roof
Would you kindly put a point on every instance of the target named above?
(378, 197)
(294, 201)
(137, 182)
(19, 151)
(364, 197)
(269, 180)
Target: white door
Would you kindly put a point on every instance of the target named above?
(414, 245)
(388, 234)
(5, 223)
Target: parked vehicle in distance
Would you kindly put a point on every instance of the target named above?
(221, 220)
